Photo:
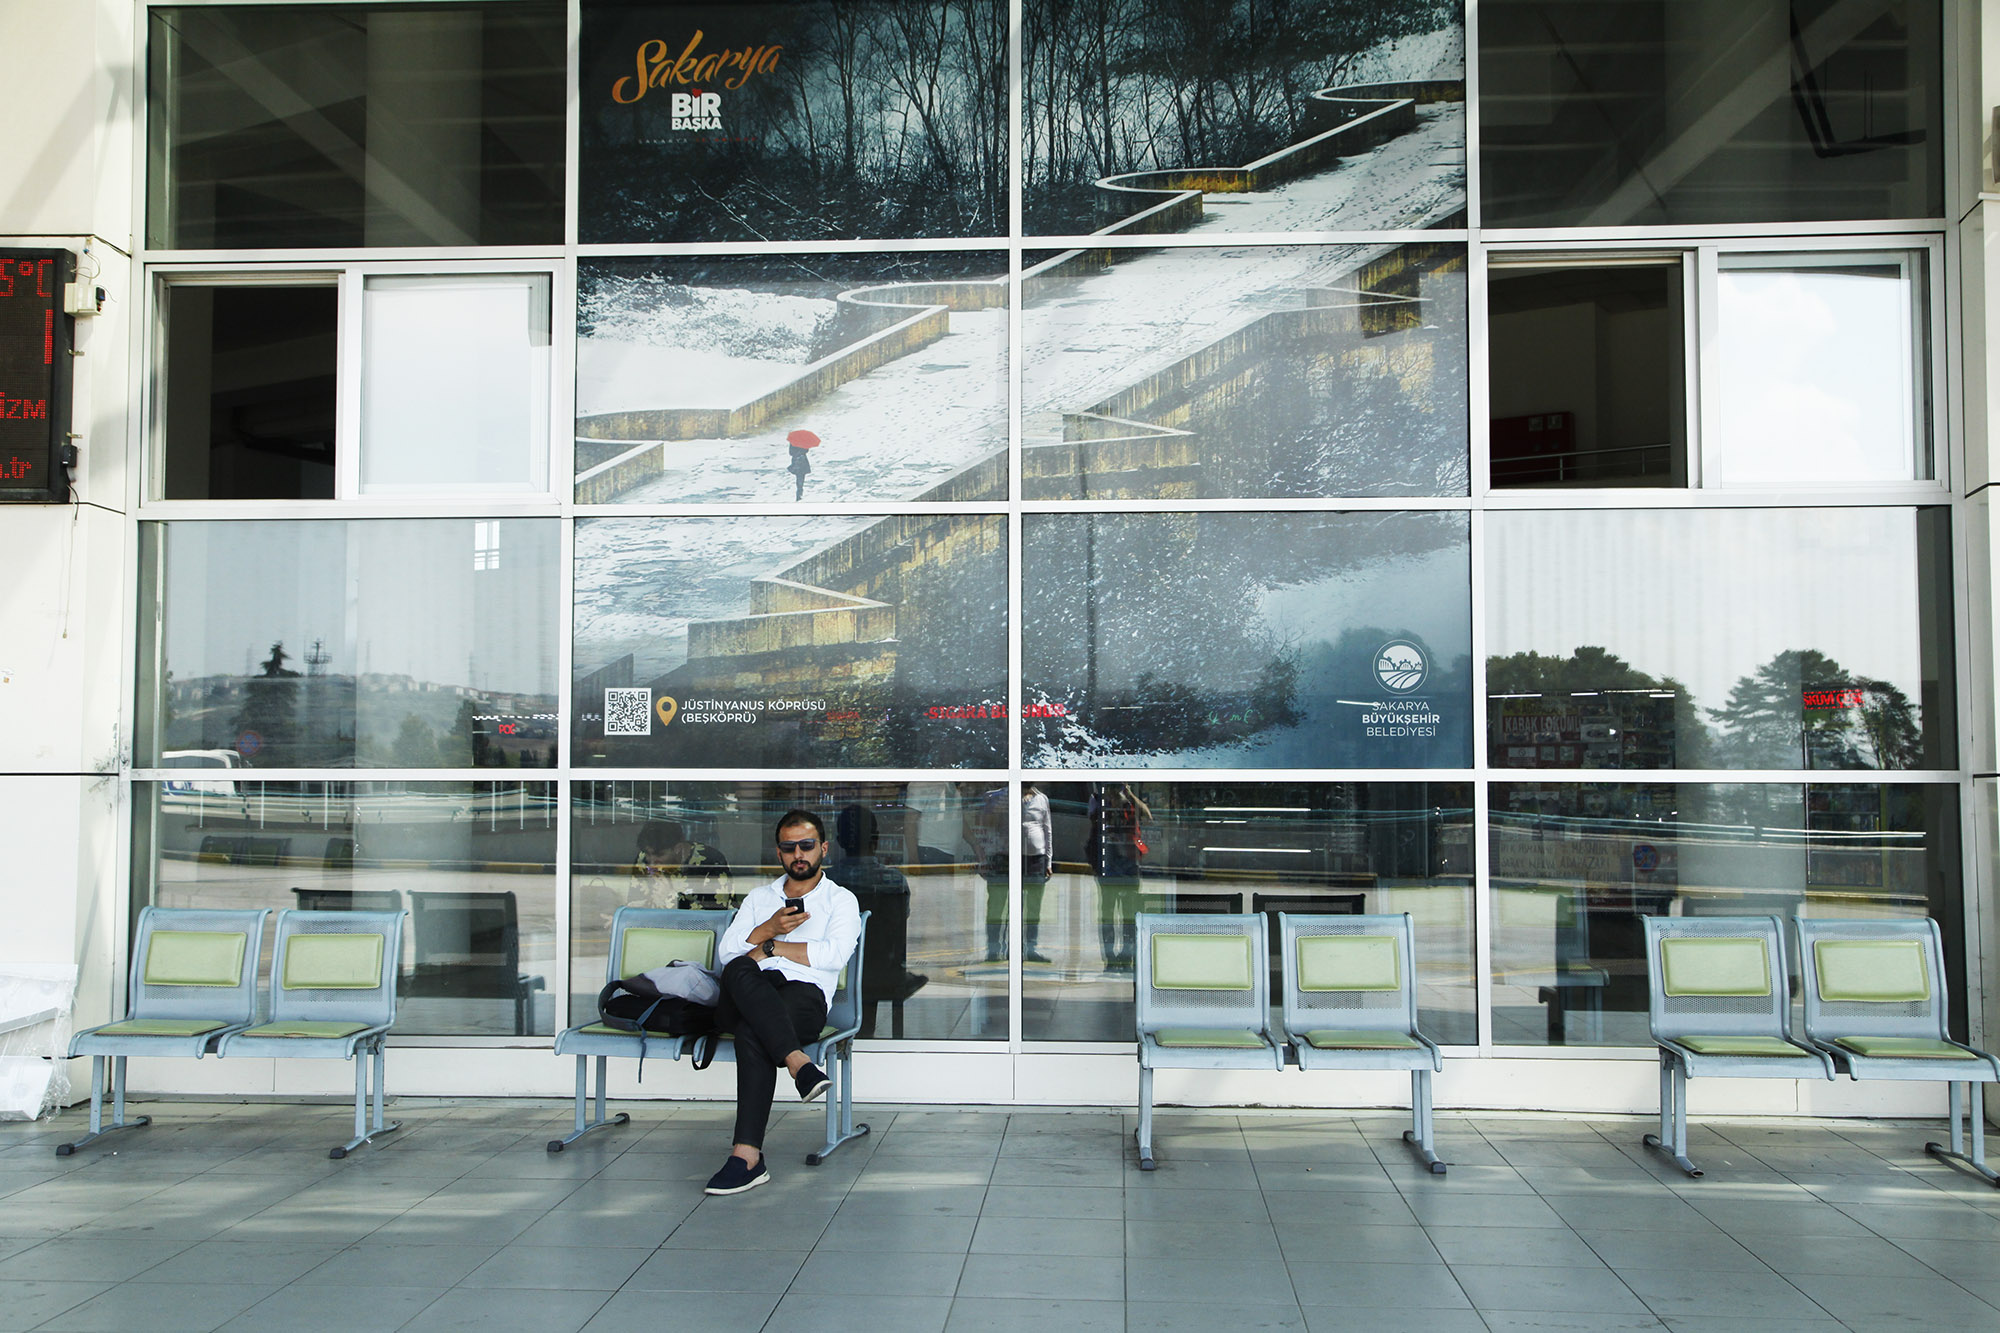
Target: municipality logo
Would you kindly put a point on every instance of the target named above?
(1401, 667)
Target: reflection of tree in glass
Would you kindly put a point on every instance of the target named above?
(1126, 85)
(270, 710)
(1803, 709)
(1656, 723)
(415, 745)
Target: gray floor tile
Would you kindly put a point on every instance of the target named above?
(590, 1228)
(718, 1230)
(26, 1303)
(1896, 1301)
(1220, 1205)
(387, 1265)
(1339, 1177)
(1182, 1173)
(1739, 1324)
(1053, 1235)
(162, 1307)
(90, 1258)
(1570, 1321)
(878, 1274)
(1253, 1282)
(1856, 1255)
(1341, 1207)
(1031, 1201)
(1377, 1286)
(983, 1314)
(558, 1268)
(255, 1262)
(1364, 1243)
(1948, 1221)
(717, 1270)
(1484, 1210)
(865, 1229)
(1712, 1250)
(873, 1194)
(1465, 1180)
(1530, 1247)
(719, 1310)
(1951, 1257)
(1078, 1277)
(499, 1310)
(300, 1309)
(1654, 1211)
(1339, 1319)
(1197, 1237)
(1201, 1317)
(1695, 1292)
(1504, 1287)
(824, 1313)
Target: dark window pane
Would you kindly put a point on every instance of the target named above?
(473, 863)
(1276, 371)
(796, 120)
(810, 377)
(1238, 640)
(249, 393)
(1576, 869)
(1730, 638)
(901, 848)
(1587, 386)
(814, 641)
(426, 643)
(349, 125)
(1622, 112)
(1325, 847)
(1251, 117)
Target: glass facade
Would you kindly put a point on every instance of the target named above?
(1126, 543)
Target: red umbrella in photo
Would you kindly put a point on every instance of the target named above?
(802, 439)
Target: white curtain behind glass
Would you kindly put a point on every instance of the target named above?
(455, 384)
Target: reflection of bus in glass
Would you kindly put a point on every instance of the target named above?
(201, 759)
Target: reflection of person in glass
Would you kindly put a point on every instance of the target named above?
(1035, 844)
(884, 892)
(674, 870)
(1114, 850)
(781, 959)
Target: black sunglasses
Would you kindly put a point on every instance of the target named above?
(802, 845)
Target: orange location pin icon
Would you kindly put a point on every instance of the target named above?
(666, 708)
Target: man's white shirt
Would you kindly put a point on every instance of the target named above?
(832, 925)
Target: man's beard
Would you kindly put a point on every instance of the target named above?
(792, 871)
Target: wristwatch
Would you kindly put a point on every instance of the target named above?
(770, 948)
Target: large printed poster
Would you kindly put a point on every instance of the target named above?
(803, 121)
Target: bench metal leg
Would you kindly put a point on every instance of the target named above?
(367, 1128)
(1673, 1136)
(1145, 1135)
(584, 1126)
(1956, 1154)
(840, 1126)
(98, 1129)
(1422, 1122)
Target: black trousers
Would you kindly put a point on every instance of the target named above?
(771, 1015)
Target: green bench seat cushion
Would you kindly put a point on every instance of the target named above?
(194, 958)
(1202, 962)
(333, 962)
(1350, 962)
(1359, 1039)
(648, 947)
(1903, 1048)
(1740, 1045)
(1235, 1039)
(312, 1028)
(1713, 966)
(1872, 971)
(163, 1027)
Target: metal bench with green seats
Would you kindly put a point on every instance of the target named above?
(1203, 1001)
(193, 981)
(1876, 1005)
(333, 997)
(643, 938)
(1719, 1006)
(1350, 1002)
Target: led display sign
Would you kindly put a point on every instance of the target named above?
(34, 373)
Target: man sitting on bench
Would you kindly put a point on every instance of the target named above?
(781, 959)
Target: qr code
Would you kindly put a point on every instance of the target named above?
(628, 712)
